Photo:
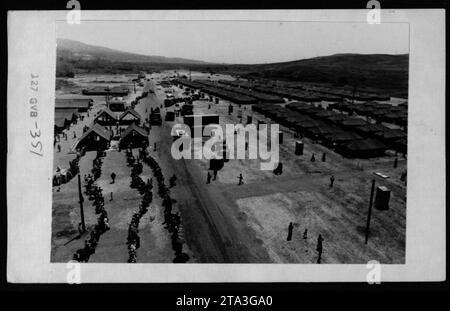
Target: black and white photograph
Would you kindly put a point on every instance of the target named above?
(193, 139)
(337, 92)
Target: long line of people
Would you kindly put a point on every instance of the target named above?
(97, 165)
(145, 190)
(94, 193)
(171, 220)
(138, 98)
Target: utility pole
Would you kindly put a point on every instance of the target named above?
(80, 195)
(370, 210)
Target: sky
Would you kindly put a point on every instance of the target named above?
(240, 42)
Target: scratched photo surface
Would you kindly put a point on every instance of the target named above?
(334, 94)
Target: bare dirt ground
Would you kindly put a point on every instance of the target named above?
(156, 244)
(224, 222)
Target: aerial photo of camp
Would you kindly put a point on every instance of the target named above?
(336, 193)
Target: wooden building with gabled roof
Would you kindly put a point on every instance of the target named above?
(130, 116)
(96, 138)
(106, 117)
(133, 137)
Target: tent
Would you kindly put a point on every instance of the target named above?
(401, 145)
(337, 117)
(298, 106)
(366, 148)
(321, 130)
(391, 135)
(324, 114)
(353, 122)
(342, 137)
(370, 129)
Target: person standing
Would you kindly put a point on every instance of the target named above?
(240, 180)
(208, 178)
(113, 177)
(319, 248)
(313, 158)
(290, 228)
(215, 174)
(331, 181)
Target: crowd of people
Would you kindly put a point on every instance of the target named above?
(64, 176)
(94, 193)
(97, 166)
(172, 221)
(145, 190)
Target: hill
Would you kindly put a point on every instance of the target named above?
(72, 49)
(374, 72)
(381, 72)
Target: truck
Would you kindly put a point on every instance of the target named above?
(155, 117)
(203, 119)
(186, 109)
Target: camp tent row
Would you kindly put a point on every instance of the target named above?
(212, 89)
(260, 96)
(97, 137)
(302, 91)
(336, 132)
(378, 111)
